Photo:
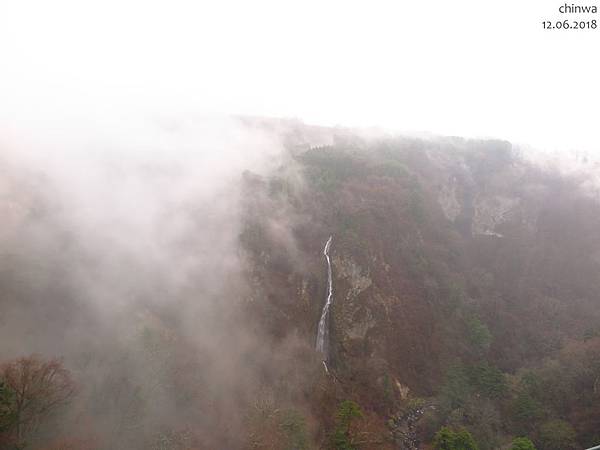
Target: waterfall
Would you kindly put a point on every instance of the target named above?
(323, 331)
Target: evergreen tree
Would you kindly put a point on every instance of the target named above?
(448, 439)
(522, 443)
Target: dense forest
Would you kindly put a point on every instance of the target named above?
(173, 304)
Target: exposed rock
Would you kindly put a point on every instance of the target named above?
(355, 318)
(362, 321)
(303, 293)
(404, 390)
(491, 212)
(403, 427)
(347, 269)
(448, 200)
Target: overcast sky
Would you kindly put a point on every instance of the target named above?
(473, 68)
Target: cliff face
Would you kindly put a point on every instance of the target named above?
(465, 295)
(443, 251)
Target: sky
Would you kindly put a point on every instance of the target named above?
(470, 68)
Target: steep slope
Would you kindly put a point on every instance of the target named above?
(465, 295)
(448, 253)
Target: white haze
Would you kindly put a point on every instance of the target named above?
(116, 225)
(466, 68)
(151, 203)
(121, 171)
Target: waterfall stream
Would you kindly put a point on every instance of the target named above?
(323, 331)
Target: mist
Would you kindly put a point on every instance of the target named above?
(120, 249)
(194, 194)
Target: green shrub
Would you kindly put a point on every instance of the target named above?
(456, 389)
(448, 439)
(464, 381)
(487, 380)
(294, 428)
(526, 411)
(478, 334)
(557, 435)
(343, 438)
(522, 443)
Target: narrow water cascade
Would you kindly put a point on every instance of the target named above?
(323, 330)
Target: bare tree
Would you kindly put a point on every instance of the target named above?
(39, 387)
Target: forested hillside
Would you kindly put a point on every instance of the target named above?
(465, 310)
